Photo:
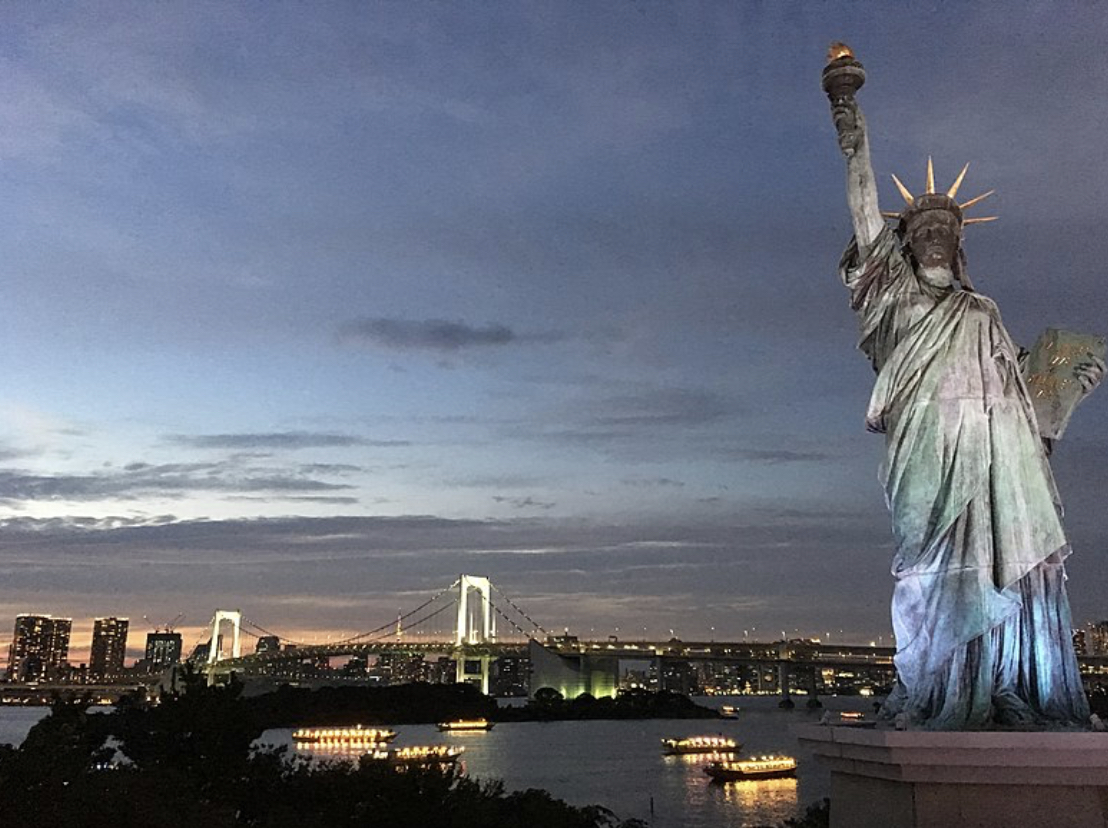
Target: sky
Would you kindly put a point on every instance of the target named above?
(308, 308)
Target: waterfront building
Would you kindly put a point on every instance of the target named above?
(356, 667)
(268, 644)
(399, 668)
(510, 676)
(677, 677)
(442, 671)
(109, 646)
(163, 649)
(40, 648)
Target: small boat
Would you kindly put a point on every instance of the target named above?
(728, 711)
(854, 718)
(419, 755)
(699, 744)
(343, 737)
(466, 725)
(762, 767)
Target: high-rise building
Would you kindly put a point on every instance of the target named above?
(40, 647)
(163, 649)
(1096, 639)
(109, 646)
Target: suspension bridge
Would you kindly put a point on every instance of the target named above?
(474, 623)
(475, 605)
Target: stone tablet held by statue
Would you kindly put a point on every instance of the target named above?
(1055, 391)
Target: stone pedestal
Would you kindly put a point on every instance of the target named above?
(924, 779)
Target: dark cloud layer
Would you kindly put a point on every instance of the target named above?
(425, 335)
(278, 440)
(137, 480)
(354, 572)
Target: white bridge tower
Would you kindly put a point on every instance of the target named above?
(472, 632)
(215, 649)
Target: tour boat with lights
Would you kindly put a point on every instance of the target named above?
(700, 744)
(419, 755)
(342, 737)
(855, 718)
(466, 726)
(728, 711)
(761, 767)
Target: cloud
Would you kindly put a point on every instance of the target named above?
(289, 440)
(774, 456)
(136, 480)
(653, 483)
(493, 481)
(8, 453)
(524, 502)
(334, 501)
(659, 407)
(646, 423)
(425, 335)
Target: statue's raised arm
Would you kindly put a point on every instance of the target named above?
(842, 78)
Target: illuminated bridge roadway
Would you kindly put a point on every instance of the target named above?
(476, 605)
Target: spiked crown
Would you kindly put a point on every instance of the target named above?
(929, 200)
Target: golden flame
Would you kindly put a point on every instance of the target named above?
(837, 50)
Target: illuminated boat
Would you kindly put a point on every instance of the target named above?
(342, 737)
(728, 711)
(762, 767)
(419, 755)
(699, 744)
(466, 725)
(853, 718)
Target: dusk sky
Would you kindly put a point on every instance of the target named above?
(309, 308)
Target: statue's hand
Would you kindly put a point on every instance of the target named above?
(848, 123)
(1089, 374)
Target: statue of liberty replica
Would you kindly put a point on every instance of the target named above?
(979, 607)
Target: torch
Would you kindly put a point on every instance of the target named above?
(843, 75)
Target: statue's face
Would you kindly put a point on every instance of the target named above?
(933, 238)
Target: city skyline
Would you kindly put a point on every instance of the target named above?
(308, 313)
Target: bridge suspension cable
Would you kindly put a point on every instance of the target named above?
(516, 607)
(514, 625)
(360, 636)
(404, 617)
(415, 623)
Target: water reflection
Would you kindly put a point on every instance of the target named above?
(698, 759)
(346, 753)
(779, 795)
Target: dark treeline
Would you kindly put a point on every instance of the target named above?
(420, 703)
(416, 703)
(189, 762)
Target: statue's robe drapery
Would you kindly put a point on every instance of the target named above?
(980, 612)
